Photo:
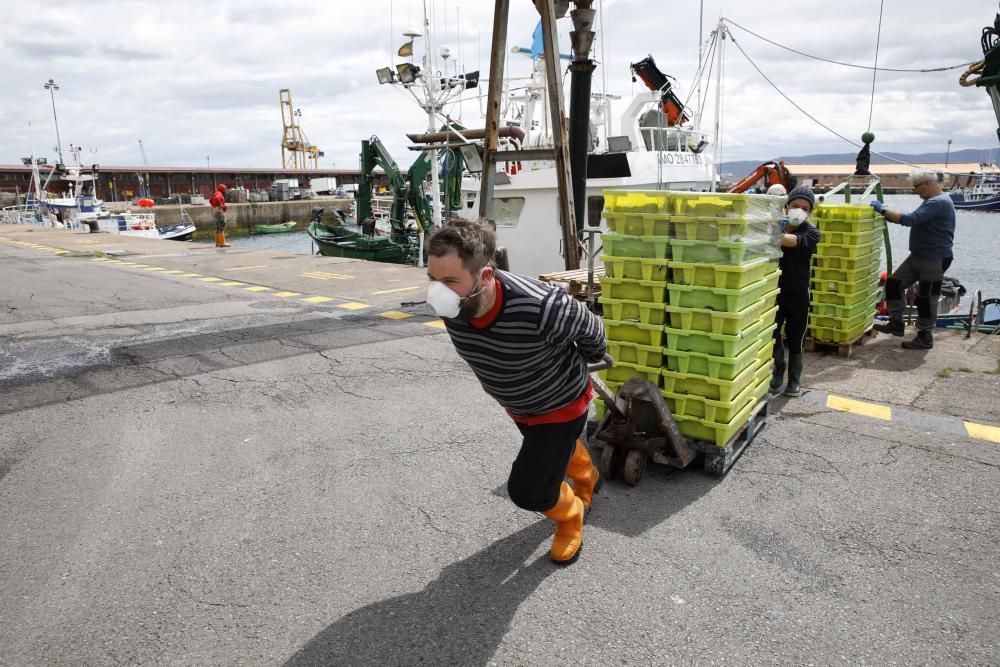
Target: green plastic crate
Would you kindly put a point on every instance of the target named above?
(848, 238)
(634, 332)
(649, 291)
(620, 245)
(719, 368)
(699, 407)
(638, 224)
(732, 253)
(720, 433)
(849, 251)
(848, 263)
(847, 294)
(714, 204)
(845, 312)
(636, 353)
(865, 313)
(712, 388)
(850, 226)
(624, 310)
(720, 322)
(635, 268)
(820, 275)
(621, 371)
(706, 228)
(844, 211)
(637, 201)
(723, 277)
(831, 335)
(718, 345)
(725, 300)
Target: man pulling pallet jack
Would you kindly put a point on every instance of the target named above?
(529, 344)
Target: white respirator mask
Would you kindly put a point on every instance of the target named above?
(796, 217)
(444, 302)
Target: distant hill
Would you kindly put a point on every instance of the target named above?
(741, 167)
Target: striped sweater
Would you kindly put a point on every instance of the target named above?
(533, 357)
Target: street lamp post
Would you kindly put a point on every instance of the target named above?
(51, 86)
(947, 154)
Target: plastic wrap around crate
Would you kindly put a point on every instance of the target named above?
(844, 212)
(634, 332)
(637, 201)
(649, 291)
(847, 294)
(712, 388)
(705, 228)
(699, 407)
(721, 433)
(720, 322)
(834, 225)
(848, 263)
(849, 251)
(719, 368)
(820, 275)
(721, 205)
(621, 245)
(721, 276)
(622, 371)
(733, 253)
(830, 335)
(845, 312)
(721, 299)
(635, 268)
(638, 224)
(718, 345)
(636, 353)
(624, 310)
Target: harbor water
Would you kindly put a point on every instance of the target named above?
(976, 264)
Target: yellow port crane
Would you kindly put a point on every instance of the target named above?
(296, 151)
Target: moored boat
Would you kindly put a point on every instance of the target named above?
(279, 228)
(339, 241)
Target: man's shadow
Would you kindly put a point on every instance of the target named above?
(457, 619)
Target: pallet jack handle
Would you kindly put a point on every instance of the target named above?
(609, 397)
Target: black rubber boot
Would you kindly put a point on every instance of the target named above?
(894, 326)
(778, 373)
(794, 389)
(924, 340)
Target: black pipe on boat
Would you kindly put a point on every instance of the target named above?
(581, 70)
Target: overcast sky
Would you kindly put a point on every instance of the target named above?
(196, 79)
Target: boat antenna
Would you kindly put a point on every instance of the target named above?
(878, 36)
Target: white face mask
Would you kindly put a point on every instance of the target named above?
(444, 301)
(796, 216)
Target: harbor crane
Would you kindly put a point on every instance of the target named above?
(296, 151)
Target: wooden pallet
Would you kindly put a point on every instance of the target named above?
(718, 460)
(575, 281)
(842, 349)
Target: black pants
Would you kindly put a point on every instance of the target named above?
(929, 273)
(540, 466)
(793, 314)
(220, 221)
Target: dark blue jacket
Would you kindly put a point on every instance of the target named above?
(932, 228)
(795, 262)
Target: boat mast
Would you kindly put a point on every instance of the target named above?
(721, 37)
(432, 107)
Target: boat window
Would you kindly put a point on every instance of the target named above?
(595, 208)
(507, 210)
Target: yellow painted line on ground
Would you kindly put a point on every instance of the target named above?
(153, 268)
(232, 283)
(395, 315)
(129, 264)
(398, 289)
(324, 275)
(98, 259)
(210, 280)
(982, 431)
(317, 299)
(173, 271)
(285, 294)
(873, 410)
(436, 324)
(258, 288)
(247, 268)
(353, 305)
(190, 275)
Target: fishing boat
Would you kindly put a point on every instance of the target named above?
(340, 241)
(983, 194)
(279, 228)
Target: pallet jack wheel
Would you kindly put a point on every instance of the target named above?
(635, 465)
(611, 462)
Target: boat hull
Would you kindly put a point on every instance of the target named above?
(275, 229)
(337, 241)
(991, 203)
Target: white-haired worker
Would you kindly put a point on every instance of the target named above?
(932, 233)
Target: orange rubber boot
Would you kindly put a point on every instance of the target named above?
(220, 240)
(583, 472)
(568, 515)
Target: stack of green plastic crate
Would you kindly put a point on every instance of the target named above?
(720, 319)
(634, 286)
(845, 273)
(700, 324)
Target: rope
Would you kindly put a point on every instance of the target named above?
(837, 62)
(878, 37)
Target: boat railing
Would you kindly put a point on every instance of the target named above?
(23, 214)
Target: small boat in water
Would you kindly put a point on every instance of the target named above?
(339, 241)
(279, 228)
(983, 194)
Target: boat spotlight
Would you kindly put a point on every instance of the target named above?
(472, 157)
(407, 72)
(385, 75)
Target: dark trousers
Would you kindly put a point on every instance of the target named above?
(540, 466)
(793, 315)
(220, 221)
(930, 273)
